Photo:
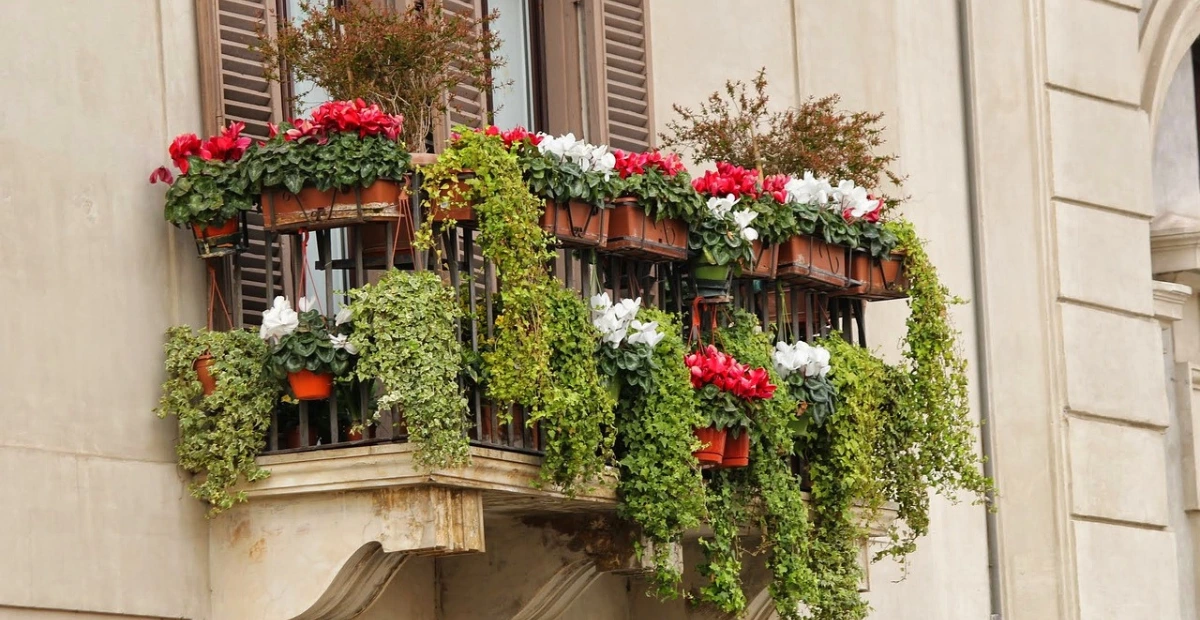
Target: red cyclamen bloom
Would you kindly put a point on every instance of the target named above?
(720, 369)
(183, 147)
(161, 174)
(728, 179)
(773, 187)
(349, 116)
(629, 164)
(228, 146)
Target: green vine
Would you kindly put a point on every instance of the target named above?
(404, 330)
(660, 486)
(726, 501)
(219, 434)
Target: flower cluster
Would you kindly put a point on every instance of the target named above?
(710, 366)
(614, 322)
(344, 117)
(511, 137)
(728, 179)
(851, 199)
(722, 208)
(628, 164)
(281, 320)
(589, 157)
(775, 186)
(229, 145)
(809, 360)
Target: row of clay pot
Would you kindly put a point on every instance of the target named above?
(723, 448)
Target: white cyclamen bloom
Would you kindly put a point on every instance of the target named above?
(602, 160)
(846, 190)
(613, 321)
(341, 341)
(599, 304)
(626, 309)
(646, 333)
(306, 304)
(818, 363)
(742, 219)
(808, 189)
(278, 321)
(789, 358)
(720, 207)
(861, 205)
(343, 316)
(558, 145)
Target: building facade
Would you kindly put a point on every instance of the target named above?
(1050, 149)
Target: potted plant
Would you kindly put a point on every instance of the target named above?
(220, 432)
(775, 223)
(727, 389)
(211, 191)
(344, 164)
(817, 256)
(721, 237)
(804, 369)
(303, 349)
(876, 265)
(576, 180)
(649, 218)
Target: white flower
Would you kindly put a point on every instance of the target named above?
(602, 160)
(742, 219)
(626, 309)
(645, 333)
(306, 304)
(808, 189)
(720, 207)
(818, 362)
(343, 316)
(278, 321)
(600, 304)
(341, 341)
(750, 234)
(846, 192)
(557, 145)
(613, 321)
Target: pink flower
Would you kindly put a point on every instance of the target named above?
(161, 174)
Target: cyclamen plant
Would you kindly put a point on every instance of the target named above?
(564, 168)
(723, 236)
(846, 214)
(659, 183)
(617, 327)
(342, 144)
(303, 341)
(727, 387)
(804, 369)
(211, 187)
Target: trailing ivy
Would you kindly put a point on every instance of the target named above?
(404, 329)
(219, 434)
(660, 485)
(781, 513)
(726, 500)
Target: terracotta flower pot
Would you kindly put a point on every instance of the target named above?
(312, 209)
(714, 450)
(291, 440)
(203, 368)
(765, 262)
(217, 239)
(357, 435)
(456, 195)
(712, 281)
(877, 279)
(308, 385)
(814, 263)
(576, 224)
(737, 449)
(633, 234)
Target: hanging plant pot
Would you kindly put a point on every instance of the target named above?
(877, 279)
(737, 449)
(385, 200)
(633, 234)
(766, 258)
(712, 281)
(308, 385)
(203, 368)
(218, 239)
(714, 450)
(812, 262)
(575, 224)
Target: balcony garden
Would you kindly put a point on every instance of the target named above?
(699, 343)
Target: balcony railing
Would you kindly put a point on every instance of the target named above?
(347, 258)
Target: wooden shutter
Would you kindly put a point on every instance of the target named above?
(466, 105)
(234, 88)
(619, 74)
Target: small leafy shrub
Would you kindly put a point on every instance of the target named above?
(211, 187)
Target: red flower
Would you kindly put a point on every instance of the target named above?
(710, 366)
(161, 174)
(228, 146)
(351, 116)
(183, 147)
(728, 179)
(515, 135)
(773, 186)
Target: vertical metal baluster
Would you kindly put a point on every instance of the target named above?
(325, 259)
(861, 319)
(418, 256)
(569, 270)
(387, 418)
(359, 279)
(269, 273)
(677, 282)
(585, 273)
(304, 423)
(808, 313)
(764, 300)
(389, 246)
(469, 259)
(298, 273)
(488, 281)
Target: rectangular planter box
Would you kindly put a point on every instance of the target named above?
(766, 261)
(877, 279)
(812, 262)
(313, 209)
(633, 234)
(576, 224)
(463, 216)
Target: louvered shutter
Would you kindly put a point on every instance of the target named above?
(234, 88)
(620, 77)
(466, 105)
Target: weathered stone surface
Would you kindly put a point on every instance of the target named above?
(1100, 59)
(1103, 257)
(1100, 153)
(1118, 472)
(1125, 573)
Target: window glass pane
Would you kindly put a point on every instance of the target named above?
(513, 104)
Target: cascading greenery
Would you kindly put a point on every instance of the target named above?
(221, 433)
(542, 354)
(660, 485)
(404, 330)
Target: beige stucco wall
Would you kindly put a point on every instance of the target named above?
(95, 516)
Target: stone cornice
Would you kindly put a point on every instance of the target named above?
(1169, 298)
(1175, 244)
